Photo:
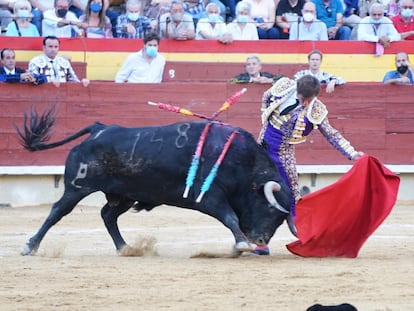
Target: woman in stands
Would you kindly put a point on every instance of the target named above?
(21, 25)
(243, 27)
(94, 22)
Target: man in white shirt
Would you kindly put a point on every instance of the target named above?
(145, 66)
(308, 28)
(60, 22)
(377, 28)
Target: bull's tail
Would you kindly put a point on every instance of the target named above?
(37, 130)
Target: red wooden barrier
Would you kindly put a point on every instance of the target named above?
(377, 119)
(220, 72)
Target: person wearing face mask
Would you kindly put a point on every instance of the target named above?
(403, 74)
(133, 24)
(94, 22)
(21, 26)
(212, 27)
(145, 66)
(404, 22)
(61, 22)
(287, 13)
(243, 27)
(176, 24)
(308, 27)
(331, 12)
(377, 28)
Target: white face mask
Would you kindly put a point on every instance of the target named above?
(308, 17)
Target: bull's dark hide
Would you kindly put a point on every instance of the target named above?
(341, 307)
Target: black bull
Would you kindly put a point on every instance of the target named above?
(148, 166)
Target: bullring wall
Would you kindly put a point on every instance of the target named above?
(376, 123)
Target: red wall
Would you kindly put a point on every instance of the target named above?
(377, 124)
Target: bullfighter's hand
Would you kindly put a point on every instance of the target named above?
(358, 155)
(85, 82)
(330, 87)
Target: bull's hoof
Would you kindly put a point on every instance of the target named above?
(243, 247)
(28, 251)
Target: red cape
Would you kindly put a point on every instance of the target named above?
(338, 219)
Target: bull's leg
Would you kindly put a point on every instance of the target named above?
(227, 217)
(61, 208)
(115, 207)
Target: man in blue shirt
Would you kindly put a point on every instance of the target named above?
(331, 13)
(403, 73)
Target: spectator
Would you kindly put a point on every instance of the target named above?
(60, 22)
(94, 22)
(145, 66)
(351, 17)
(287, 13)
(308, 28)
(392, 8)
(196, 8)
(242, 27)
(377, 28)
(11, 74)
(38, 8)
(212, 27)
(133, 24)
(315, 61)
(153, 9)
(263, 13)
(6, 17)
(404, 21)
(21, 26)
(254, 74)
(78, 7)
(57, 69)
(331, 13)
(177, 24)
(231, 5)
(404, 71)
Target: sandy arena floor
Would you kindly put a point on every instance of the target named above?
(186, 266)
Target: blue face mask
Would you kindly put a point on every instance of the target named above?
(151, 51)
(243, 19)
(406, 13)
(96, 7)
(376, 21)
(23, 13)
(133, 16)
(213, 18)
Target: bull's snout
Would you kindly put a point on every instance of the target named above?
(260, 241)
(259, 238)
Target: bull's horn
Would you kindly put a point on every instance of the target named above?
(269, 188)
